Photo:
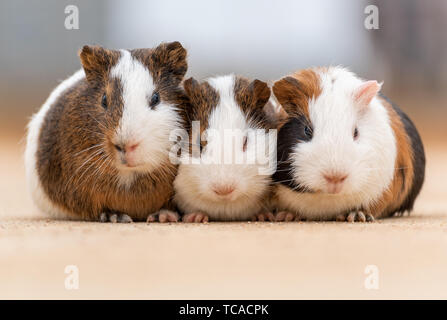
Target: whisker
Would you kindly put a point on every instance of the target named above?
(86, 149)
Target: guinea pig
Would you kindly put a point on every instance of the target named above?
(98, 147)
(345, 152)
(212, 184)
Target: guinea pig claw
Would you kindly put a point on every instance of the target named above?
(285, 216)
(115, 217)
(370, 217)
(124, 218)
(361, 217)
(153, 217)
(195, 217)
(266, 216)
(163, 216)
(168, 216)
(351, 217)
(355, 216)
(103, 217)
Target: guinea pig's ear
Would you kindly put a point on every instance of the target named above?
(96, 62)
(169, 60)
(275, 112)
(364, 94)
(193, 90)
(260, 92)
(286, 91)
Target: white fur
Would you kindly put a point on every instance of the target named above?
(37, 193)
(150, 127)
(193, 184)
(369, 161)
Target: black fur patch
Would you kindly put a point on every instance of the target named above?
(290, 134)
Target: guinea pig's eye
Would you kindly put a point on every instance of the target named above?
(155, 99)
(356, 133)
(244, 145)
(308, 132)
(104, 101)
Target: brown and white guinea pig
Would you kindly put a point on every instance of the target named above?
(98, 147)
(226, 179)
(344, 152)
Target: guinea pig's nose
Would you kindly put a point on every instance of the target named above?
(335, 178)
(223, 189)
(131, 147)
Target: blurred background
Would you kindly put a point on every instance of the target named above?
(262, 38)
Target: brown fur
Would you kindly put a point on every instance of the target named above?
(295, 91)
(84, 181)
(97, 62)
(203, 100)
(402, 182)
(252, 97)
(167, 63)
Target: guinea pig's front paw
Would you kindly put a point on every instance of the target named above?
(265, 216)
(163, 216)
(196, 217)
(286, 216)
(114, 217)
(355, 216)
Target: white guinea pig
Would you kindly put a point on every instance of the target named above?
(229, 177)
(344, 151)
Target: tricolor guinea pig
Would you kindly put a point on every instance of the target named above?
(344, 151)
(98, 147)
(228, 178)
